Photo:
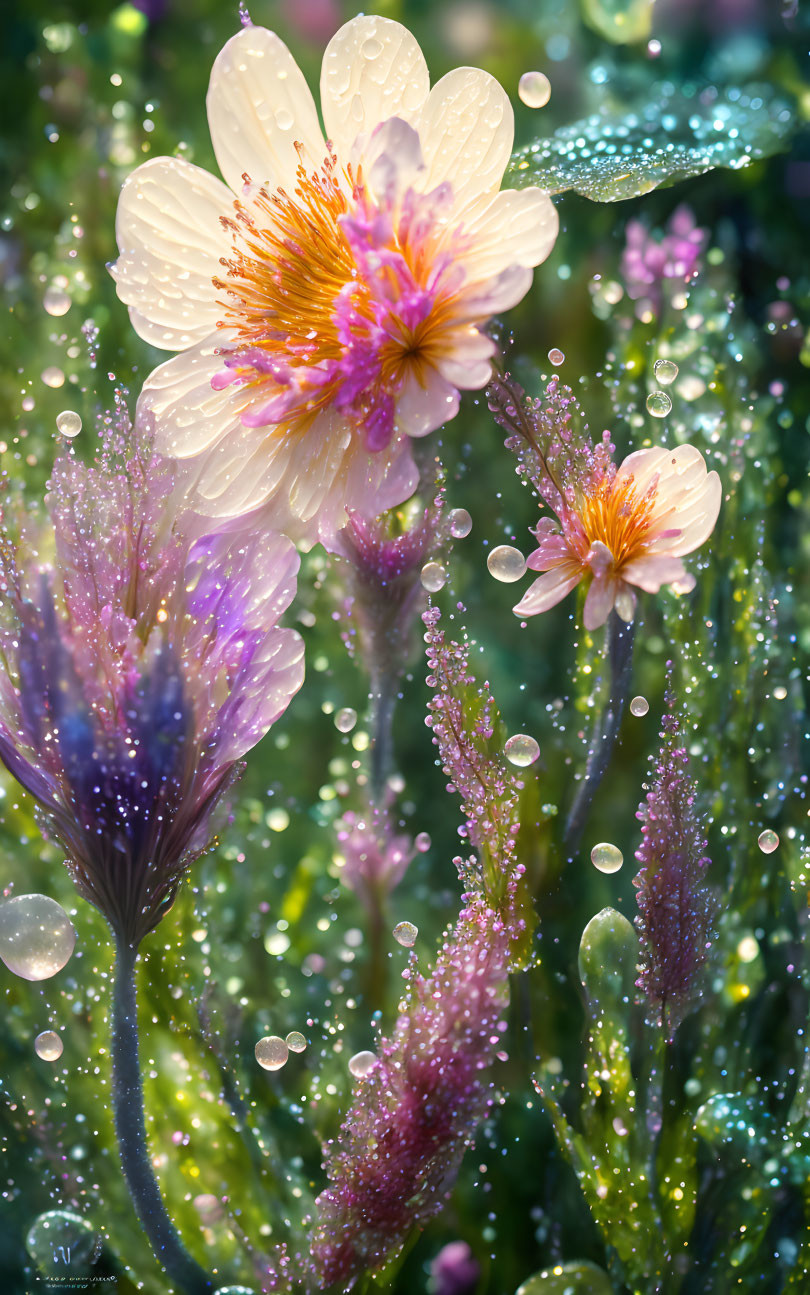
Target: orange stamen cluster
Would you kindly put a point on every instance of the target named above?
(616, 515)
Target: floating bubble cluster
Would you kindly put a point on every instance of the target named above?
(534, 89)
(271, 1052)
(37, 937)
(405, 933)
(521, 750)
(48, 1045)
(606, 857)
(506, 563)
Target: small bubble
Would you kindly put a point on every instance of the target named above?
(68, 423)
(658, 404)
(767, 841)
(278, 820)
(360, 1064)
(606, 857)
(506, 563)
(521, 750)
(48, 1045)
(56, 301)
(37, 937)
(556, 357)
(460, 523)
(639, 706)
(53, 376)
(295, 1041)
(433, 577)
(534, 89)
(345, 719)
(271, 1052)
(405, 933)
(422, 842)
(666, 371)
(780, 693)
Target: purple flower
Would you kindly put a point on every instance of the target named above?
(649, 261)
(415, 1112)
(140, 668)
(454, 1271)
(375, 860)
(675, 907)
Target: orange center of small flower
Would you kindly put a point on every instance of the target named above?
(618, 517)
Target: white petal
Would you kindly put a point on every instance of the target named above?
(650, 572)
(466, 127)
(482, 300)
(187, 413)
(171, 240)
(599, 602)
(466, 361)
(259, 107)
(518, 227)
(392, 159)
(421, 409)
(372, 69)
(549, 589)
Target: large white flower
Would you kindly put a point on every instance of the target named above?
(329, 304)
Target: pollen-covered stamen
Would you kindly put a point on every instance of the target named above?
(618, 517)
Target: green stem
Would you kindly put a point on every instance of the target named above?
(130, 1129)
(606, 729)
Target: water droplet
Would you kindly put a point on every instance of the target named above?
(658, 404)
(345, 719)
(521, 750)
(48, 1045)
(666, 371)
(234, 1290)
(433, 577)
(556, 357)
(295, 1041)
(371, 48)
(534, 89)
(780, 692)
(606, 857)
(68, 423)
(767, 841)
(506, 564)
(56, 301)
(53, 376)
(61, 1228)
(639, 706)
(405, 933)
(284, 118)
(36, 936)
(460, 523)
(360, 1064)
(422, 842)
(271, 1052)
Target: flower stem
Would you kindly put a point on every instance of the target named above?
(620, 637)
(383, 703)
(130, 1129)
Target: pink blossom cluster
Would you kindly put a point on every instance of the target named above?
(649, 262)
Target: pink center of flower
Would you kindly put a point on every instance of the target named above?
(333, 301)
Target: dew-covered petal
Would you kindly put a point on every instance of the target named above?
(466, 128)
(170, 238)
(259, 107)
(187, 413)
(392, 160)
(467, 359)
(372, 69)
(481, 300)
(650, 572)
(549, 589)
(423, 405)
(599, 601)
(518, 227)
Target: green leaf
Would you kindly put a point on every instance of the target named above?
(620, 152)
(579, 1277)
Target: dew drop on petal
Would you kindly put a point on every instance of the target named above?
(459, 522)
(666, 371)
(506, 563)
(768, 841)
(61, 1232)
(68, 423)
(36, 936)
(639, 706)
(345, 719)
(606, 857)
(556, 357)
(658, 404)
(53, 376)
(48, 1046)
(405, 933)
(371, 48)
(433, 577)
(271, 1052)
(521, 750)
(56, 301)
(295, 1041)
(360, 1064)
(534, 89)
(422, 842)
(234, 1290)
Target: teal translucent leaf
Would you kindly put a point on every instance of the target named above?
(680, 132)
